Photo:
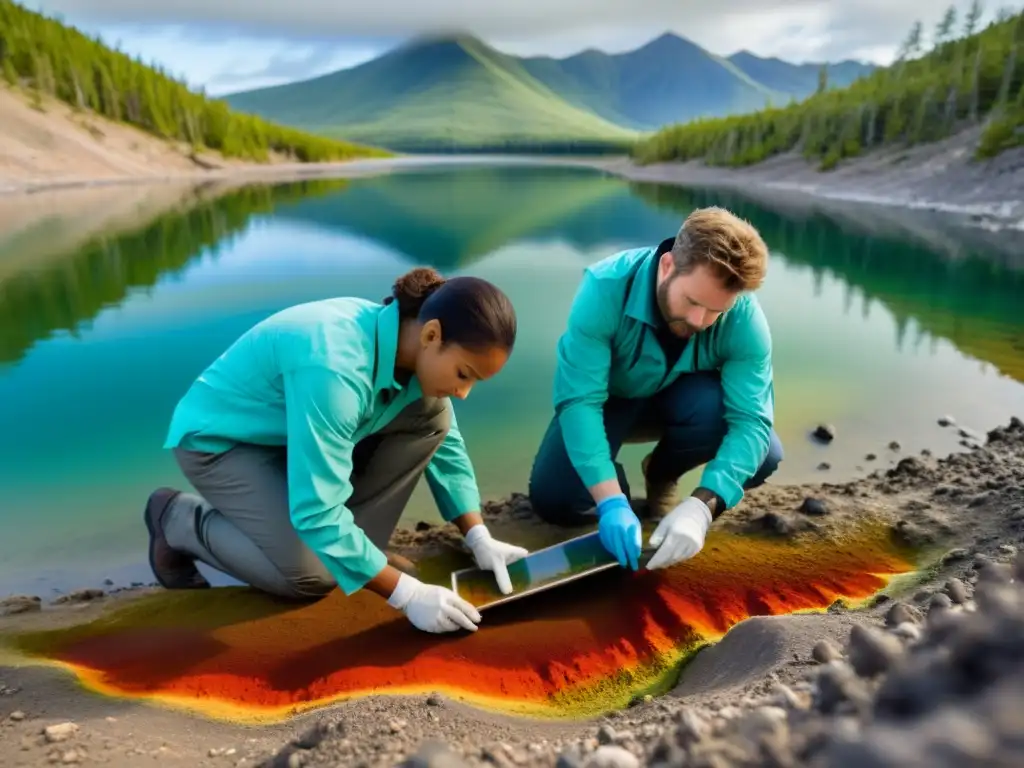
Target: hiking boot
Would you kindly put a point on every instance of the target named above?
(661, 496)
(173, 569)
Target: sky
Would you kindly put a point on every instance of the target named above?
(233, 45)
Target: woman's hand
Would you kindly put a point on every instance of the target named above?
(493, 555)
(433, 608)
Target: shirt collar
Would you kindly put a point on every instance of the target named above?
(642, 302)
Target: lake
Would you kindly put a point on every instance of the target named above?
(880, 327)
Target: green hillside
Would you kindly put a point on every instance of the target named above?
(973, 79)
(45, 57)
(435, 94)
(798, 80)
(459, 94)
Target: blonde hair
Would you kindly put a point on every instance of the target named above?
(728, 245)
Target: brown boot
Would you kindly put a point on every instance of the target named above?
(661, 496)
(173, 569)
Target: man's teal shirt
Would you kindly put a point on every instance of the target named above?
(318, 378)
(609, 348)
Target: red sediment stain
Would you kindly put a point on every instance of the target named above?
(576, 650)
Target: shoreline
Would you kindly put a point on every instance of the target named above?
(808, 671)
(937, 178)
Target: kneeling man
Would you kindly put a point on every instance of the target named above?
(664, 344)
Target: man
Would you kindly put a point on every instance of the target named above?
(665, 344)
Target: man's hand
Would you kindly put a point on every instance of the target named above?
(433, 608)
(619, 529)
(493, 555)
(680, 534)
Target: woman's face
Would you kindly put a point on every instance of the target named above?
(452, 371)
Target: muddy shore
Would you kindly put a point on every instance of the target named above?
(929, 675)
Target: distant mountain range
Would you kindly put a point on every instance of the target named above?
(459, 93)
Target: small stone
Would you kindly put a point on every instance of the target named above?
(826, 433)
(901, 613)
(80, 596)
(814, 507)
(955, 555)
(17, 716)
(995, 573)
(1008, 549)
(60, 732)
(872, 652)
(610, 756)
(836, 685)
(784, 696)
(894, 445)
(939, 602)
(825, 651)
(71, 756)
(296, 760)
(433, 700)
(606, 735)
(432, 754)
(907, 631)
(957, 591)
(397, 726)
(946, 421)
(15, 604)
(870, 457)
(824, 466)
(692, 728)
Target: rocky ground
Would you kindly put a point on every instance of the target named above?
(941, 176)
(933, 677)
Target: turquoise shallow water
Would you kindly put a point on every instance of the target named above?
(879, 333)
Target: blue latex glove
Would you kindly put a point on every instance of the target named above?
(619, 529)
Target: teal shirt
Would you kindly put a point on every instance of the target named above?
(318, 378)
(609, 348)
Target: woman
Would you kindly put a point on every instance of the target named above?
(306, 438)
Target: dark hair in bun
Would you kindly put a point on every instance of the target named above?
(472, 312)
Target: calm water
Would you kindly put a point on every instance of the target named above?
(878, 334)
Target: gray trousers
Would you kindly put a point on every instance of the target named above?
(239, 521)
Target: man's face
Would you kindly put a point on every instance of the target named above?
(691, 302)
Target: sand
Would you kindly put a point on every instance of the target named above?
(930, 673)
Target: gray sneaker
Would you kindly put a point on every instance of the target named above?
(173, 569)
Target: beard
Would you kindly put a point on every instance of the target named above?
(677, 326)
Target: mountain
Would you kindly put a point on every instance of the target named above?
(972, 80)
(798, 80)
(459, 93)
(668, 80)
(434, 93)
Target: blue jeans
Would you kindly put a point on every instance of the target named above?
(688, 421)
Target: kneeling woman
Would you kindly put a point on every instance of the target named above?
(306, 438)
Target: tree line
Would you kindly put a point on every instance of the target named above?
(46, 58)
(972, 78)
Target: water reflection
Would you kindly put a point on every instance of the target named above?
(875, 330)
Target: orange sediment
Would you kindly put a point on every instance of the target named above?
(574, 651)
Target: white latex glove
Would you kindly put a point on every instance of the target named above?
(432, 608)
(493, 555)
(680, 534)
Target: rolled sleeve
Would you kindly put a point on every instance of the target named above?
(749, 400)
(581, 382)
(450, 475)
(323, 409)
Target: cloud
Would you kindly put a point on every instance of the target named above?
(723, 26)
(228, 45)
